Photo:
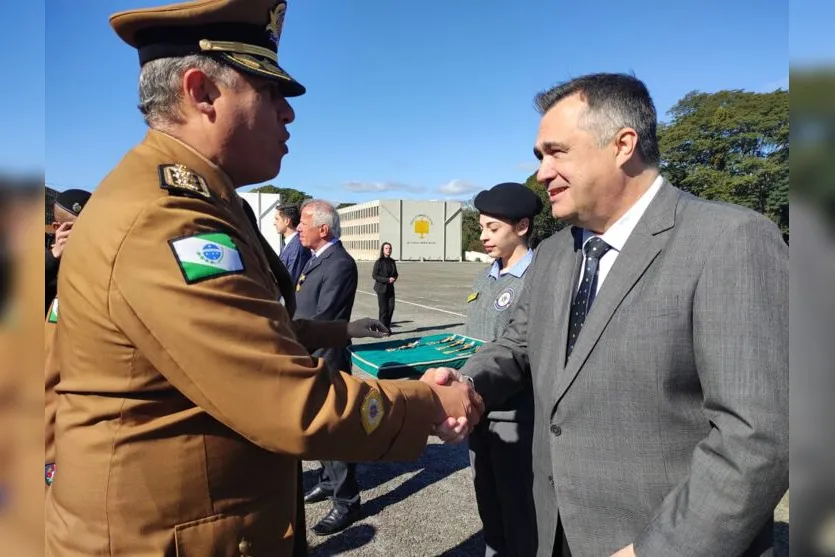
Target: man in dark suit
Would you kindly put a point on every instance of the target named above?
(294, 255)
(655, 333)
(325, 291)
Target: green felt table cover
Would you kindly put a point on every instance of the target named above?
(374, 359)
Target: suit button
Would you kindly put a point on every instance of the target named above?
(556, 430)
(244, 547)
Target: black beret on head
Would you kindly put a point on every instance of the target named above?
(509, 201)
(72, 200)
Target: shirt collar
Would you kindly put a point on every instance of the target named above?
(518, 268)
(620, 231)
(289, 239)
(320, 251)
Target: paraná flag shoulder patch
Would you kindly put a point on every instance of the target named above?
(205, 256)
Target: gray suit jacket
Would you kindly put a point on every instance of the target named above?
(668, 426)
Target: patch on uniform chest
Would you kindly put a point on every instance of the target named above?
(503, 299)
(472, 297)
(179, 180)
(52, 317)
(205, 256)
(372, 411)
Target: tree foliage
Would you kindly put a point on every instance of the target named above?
(544, 224)
(731, 146)
(288, 195)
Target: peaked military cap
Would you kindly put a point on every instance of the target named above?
(508, 200)
(72, 201)
(241, 33)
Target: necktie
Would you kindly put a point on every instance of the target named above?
(594, 249)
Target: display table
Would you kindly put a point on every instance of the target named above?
(411, 357)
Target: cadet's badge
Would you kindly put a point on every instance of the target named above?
(472, 297)
(503, 299)
(53, 312)
(372, 411)
(179, 180)
(205, 256)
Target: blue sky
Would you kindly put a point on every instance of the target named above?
(411, 99)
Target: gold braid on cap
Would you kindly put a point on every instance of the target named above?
(239, 48)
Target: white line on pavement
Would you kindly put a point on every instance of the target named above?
(402, 301)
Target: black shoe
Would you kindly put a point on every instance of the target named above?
(317, 494)
(337, 520)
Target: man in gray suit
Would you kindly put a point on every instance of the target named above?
(655, 333)
(326, 291)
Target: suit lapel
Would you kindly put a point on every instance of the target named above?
(316, 261)
(640, 250)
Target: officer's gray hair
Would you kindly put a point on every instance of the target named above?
(324, 213)
(160, 85)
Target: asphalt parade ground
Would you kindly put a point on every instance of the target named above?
(426, 507)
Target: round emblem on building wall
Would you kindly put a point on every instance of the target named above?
(503, 299)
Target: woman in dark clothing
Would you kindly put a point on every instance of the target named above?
(385, 275)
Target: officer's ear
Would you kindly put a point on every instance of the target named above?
(199, 92)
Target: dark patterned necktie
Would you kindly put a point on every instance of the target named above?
(594, 249)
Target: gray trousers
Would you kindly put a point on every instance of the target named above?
(501, 460)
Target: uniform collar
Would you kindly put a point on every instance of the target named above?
(518, 268)
(218, 182)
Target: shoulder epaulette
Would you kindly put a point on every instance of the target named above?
(179, 180)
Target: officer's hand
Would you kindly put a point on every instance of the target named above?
(61, 236)
(459, 406)
(367, 327)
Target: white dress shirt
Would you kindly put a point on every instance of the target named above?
(321, 250)
(619, 233)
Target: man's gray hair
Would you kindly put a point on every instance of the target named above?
(324, 213)
(160, 85)
(615, 102)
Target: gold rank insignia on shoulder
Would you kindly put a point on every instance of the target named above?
(372, 411)
(179, 180)
(472, 297)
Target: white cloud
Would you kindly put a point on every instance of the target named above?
(457, 187)
(370, 187)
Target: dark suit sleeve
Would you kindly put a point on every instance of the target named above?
(377, 274)
(739, 472)
(394, 266)
(339, 288)
(501, 368)
(51, 266)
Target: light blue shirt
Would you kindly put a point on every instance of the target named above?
(518, 268)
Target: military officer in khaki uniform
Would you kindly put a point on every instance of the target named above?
(186, 398)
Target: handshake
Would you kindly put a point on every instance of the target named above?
(459, 406)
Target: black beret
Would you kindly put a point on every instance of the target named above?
(72, 200)
(509, 200)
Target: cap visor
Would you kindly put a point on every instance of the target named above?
(266, 69)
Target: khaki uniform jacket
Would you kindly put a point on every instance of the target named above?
(182, 409)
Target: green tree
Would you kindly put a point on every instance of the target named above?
(288, 195)
(544, 224)
(343, 205)
(470, 229)
(731, 146)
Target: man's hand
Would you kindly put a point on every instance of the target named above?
(628, 551)
(61, 235)
(391, 280)
(460, 407)
(367, 327)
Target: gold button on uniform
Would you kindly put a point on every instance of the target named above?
(244, 547)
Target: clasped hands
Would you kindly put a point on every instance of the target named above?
(459, 406)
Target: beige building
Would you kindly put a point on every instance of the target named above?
(417, 230)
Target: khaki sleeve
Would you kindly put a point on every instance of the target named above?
(228, 345)
(51, 378)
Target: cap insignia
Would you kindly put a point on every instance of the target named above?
(276, 22)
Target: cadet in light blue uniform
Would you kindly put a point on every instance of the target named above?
(500, 446)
